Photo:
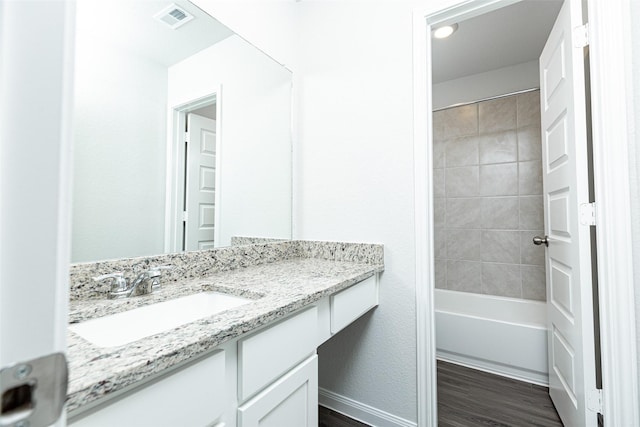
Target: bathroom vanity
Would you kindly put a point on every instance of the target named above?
(254, 364)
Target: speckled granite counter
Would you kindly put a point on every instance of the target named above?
(279, 277)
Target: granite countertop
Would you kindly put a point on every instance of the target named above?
(276, 288)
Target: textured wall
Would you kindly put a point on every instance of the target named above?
(119, 151)
(488, 197)
(355, 183)
(485, 85)
(634, 160)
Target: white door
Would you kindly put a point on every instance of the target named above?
(36, 68)
(201, 183)
(568, 261)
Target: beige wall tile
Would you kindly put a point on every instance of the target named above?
(500, 213)
(534, 283)
(528, 109)
(461, 152)
(502, 280)
(463, 245)
(501, 246)
(439, 212)
(464, 276)
(438, 125)
(530, 253)
(440, 243)
(438, 183)
(530, 178)
(531, 213)
(438, 153)
(529, 143)
(462, 182)
(487, 185)
(501, 147)
(463, 213)
(441, 274)
(497, 115)
(460, 121)
(499, 180)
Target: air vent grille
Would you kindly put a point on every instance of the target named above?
(173, 16)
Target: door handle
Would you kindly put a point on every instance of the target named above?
(540, 240)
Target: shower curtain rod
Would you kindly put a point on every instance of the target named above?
(486, 99)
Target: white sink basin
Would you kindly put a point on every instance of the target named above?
(129, 326)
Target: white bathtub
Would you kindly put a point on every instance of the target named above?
(505, 336)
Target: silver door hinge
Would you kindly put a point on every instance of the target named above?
(594, 400)
(588, 214)
(184, 216)
(581, 36)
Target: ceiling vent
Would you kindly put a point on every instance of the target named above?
(173, 16)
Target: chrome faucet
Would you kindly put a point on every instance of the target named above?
(146, 282)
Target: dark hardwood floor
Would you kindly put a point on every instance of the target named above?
(329, 418)
(471, 398)
(467, 397)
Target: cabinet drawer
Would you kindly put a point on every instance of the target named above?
(267, 354)
(353, 302)
(191, 397)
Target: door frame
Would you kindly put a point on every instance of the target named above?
(175, 180)
(37, 44)
(610, 60)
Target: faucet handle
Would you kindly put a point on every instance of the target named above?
(155, 272)
(118, 282)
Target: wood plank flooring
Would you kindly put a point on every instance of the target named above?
(329, 418)
(467, 397)
(471, 398)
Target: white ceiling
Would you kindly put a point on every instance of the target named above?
(131, 25)
(507, 36)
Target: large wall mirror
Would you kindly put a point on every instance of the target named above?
(182, 133)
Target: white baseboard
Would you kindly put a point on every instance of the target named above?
(359, 411)
(512, 372)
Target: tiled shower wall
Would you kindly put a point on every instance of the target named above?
(488, 197)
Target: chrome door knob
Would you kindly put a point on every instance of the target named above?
(541, 240)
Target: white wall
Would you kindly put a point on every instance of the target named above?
(355, 183)
(634, 158)
(255, 147)
(481, 86)
(119, 152)
(267, 24)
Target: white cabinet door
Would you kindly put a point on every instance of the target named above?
(292, 401)
(194, 396)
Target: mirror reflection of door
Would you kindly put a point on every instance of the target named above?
(200, 183)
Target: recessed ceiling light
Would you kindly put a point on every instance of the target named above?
(444, 31)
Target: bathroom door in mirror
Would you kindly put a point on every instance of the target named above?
(200, 218)
(134, 82)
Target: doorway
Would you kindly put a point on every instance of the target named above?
(194, 153)
(464, 11)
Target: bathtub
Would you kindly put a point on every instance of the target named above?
(505, 336)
